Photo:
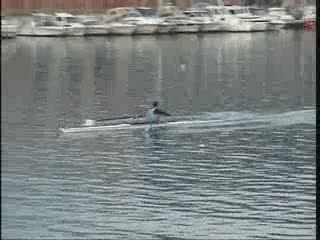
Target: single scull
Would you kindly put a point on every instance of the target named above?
(125, 126)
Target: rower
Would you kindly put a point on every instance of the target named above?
(153, 114)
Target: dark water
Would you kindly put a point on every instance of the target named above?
(248, 173)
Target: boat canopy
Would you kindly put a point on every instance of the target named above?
(147, 12)
(42, 17)
(196, 13)
(133, 13)
(64, 15)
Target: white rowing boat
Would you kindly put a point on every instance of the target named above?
(124, 126)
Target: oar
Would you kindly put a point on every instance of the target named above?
(119, 118)
(90, 122)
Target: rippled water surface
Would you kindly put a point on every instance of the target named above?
(245, 170)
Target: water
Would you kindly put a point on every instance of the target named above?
(248, 172)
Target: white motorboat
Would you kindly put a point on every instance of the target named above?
(229, 22)
(309, 13)
(43, 25)
(163, 26)
(71, 23)
(166, 27)
(183, 24)
(92, 25)
(144, 25)
(119, 28)
(8, 29)
(148, 12)
(258, 23)
(115, 14)
(273, 23)
(279, 16)
(309, 17)
(115, 27)
(167, 10)
(202, 17)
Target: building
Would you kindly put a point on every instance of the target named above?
(20, 7)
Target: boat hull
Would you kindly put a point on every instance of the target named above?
(75, 31)
(43, 32)
(145, 29)
(210, 27)
(165, 28)
(186, 28)
(96, 31)
(259, 27)
(296, 24)
(235, 25)
(274, 26)
(121, 29)
(244, 27)
(8, 31)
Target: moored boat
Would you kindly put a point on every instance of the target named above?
(43, 25)
(71, 24)
(309, 18)
(202, 17)
(183, 24)
(256, 23)
(115, 27)
(228, 21)
(165, 27)
(118, 28)
(280, 14)
(8, 29)
(92, 25)
(272, 23)
(143, 25)
(259, 23)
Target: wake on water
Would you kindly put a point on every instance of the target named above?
(243, 121)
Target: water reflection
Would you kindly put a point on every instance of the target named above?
(247, 173)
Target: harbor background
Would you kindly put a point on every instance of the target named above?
(26, 7)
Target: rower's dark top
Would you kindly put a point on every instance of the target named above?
(160, 112)
(153, 114)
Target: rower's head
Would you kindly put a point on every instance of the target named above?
(155, 104)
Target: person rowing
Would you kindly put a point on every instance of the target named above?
(153, 114)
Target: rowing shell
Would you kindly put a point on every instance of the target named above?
(125, 126)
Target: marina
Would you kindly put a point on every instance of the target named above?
(166, 19)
